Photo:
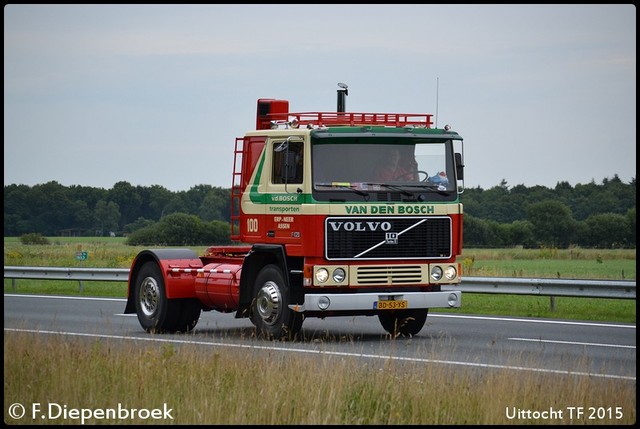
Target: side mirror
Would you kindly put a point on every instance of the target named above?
(289, 166)
(459, 166)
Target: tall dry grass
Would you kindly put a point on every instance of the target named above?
(241, 387)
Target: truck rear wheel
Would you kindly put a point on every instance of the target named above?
(405, 323)
(156, 313)
(270, 312)
(189, 314)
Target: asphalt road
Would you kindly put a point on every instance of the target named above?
(606, 350)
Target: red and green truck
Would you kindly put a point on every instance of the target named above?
(318, 232)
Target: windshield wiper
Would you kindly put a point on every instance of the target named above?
(343, 186)
(441, 189)
(393, 188)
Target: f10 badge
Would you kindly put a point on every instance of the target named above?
(391, 238)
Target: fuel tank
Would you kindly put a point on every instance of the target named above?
(218, 286)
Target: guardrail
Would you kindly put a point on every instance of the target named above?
(620, 289)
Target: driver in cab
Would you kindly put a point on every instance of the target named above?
(396, 169)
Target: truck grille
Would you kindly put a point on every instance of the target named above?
(376, 238)
(390, 275)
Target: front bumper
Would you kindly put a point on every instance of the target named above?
(368, 301)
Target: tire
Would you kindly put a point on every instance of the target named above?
(189, 315)
(405, 323)
(156, 313)
(270, 311)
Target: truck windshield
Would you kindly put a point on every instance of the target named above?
(385, 167)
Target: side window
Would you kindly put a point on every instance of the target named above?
(287, 163)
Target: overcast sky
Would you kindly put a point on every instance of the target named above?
(157, 94)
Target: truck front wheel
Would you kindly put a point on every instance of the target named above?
(406, 323)
(156, 313)
(270, 311)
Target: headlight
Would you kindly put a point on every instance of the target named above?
(322, 275)
(436, 273)
(450, 272)
(339, 275)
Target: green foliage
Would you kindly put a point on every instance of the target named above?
(33, 238)
(138, 224)
(180, 229)
(608, 230)
(583, 215)
(520, 232)
(539, 216)
(553, 224)
(107, 216)
(54, 210)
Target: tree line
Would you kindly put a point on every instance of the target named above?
(589, 215)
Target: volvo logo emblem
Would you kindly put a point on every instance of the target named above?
(360, 226)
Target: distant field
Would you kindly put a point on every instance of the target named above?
(578, 263)
(574, 263)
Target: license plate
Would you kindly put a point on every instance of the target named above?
(390, 305)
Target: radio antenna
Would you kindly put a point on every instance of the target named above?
(437, 89)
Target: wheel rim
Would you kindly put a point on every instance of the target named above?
(149, 293)
(268, 303)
